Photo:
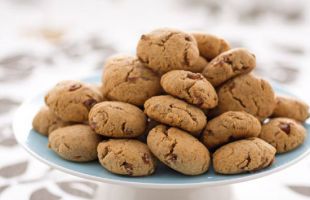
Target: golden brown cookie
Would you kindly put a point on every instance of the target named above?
(72, 100)
(230, 126)
(117, 119)
(247, 93)
(283, 133)
(167, 49)
(247, 155)
(126, 79)
(174, 112)
(178, 150)
(291, 108)
(126, 157)
(228, 65)
(45, 121)
(192, 87)
(209, 45)
(76, 143)
(199, 65)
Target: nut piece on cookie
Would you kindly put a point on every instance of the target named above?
(45, 121)
(247, 155)
(72, 100)
(291, 108)
(283, 133)
(174, 112)
(117, 119)
(228, 65)
(192, 87)
(247, 93)
(230, 126)
(167, 49)
(126, 79)
(178, 150)
(126, 157)
(209, 45)
(75, 143)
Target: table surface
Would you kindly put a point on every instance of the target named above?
(42, 42)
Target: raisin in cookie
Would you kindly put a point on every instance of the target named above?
(174, 112)
(283, 133)
(291, 108)
(242, 156)
(209, 45)
(192, 87)
(126, 157)
(117, 119)
(230, 126)
(76, 143)
(228, 65)
(167, 49)
(72, 100)
(45, 121)
(178, 150)
(126, 79)
(247, 93)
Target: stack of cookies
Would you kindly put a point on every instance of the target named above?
(153, 107)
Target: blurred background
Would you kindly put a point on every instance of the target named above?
(44, 41)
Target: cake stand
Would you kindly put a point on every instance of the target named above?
(164, 184)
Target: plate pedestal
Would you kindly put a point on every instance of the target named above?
(115, 192)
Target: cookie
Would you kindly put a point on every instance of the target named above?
(45, 121)
(72, 100)
(209, 45)
(192, 87)
(230, 126)
(178, 150)
(199, 65)
(117, 119)
(228, 65)
(291, 108)
(247, 155)
(164, 50)
(247, 93)
(126, 157)
(174, 112)
(75, 143)
(283, 133)
(126, 79)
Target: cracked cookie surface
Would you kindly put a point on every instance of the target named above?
(283, 133)
(247, 93)
(174, 112)
(45, 121)
(126, 79)
(210, 45)
(192, 87)
(228, 65)
(126, 157)
(75, 143)
(230, 126)
(117, 119)
(178, 150)
(72, 100)
(291, 108)
(167, 49)
(247, 155)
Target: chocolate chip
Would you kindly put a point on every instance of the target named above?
(285, 127)
(194, 76)
(89, 103)
(172, 157)
(74, 87)
(146, 158)
(128, 167)
(93, 125)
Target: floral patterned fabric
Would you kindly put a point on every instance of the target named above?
(42, 42)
